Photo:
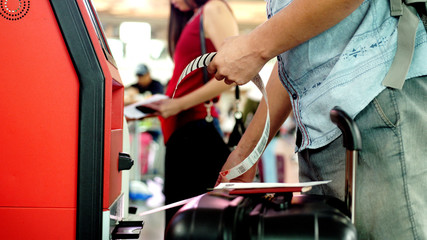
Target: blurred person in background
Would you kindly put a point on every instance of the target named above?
(195, 149)
(145, 86)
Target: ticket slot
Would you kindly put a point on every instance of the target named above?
(128, 230)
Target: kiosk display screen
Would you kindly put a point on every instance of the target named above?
(99, 32)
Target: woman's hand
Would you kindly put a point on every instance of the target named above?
(167, 107)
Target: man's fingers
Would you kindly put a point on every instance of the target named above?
(221, 179)
(229, 82)
(211, 68)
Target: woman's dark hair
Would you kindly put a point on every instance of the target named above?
(177, 22)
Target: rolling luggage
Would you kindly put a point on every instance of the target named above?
(278, 215)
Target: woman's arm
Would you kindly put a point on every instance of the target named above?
(219, 24)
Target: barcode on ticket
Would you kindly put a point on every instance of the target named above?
(260, 148)
(241, 169)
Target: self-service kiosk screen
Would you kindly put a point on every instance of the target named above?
(99, 32)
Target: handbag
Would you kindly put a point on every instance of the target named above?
(239, 127)
(208, 104)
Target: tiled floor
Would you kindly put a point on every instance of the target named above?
(154, 224)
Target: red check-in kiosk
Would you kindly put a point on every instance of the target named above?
(61, 122)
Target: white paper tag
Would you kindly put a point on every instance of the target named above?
(240, 185)
(247, 163)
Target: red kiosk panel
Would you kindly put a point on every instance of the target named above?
(40, 109)
(62, 118)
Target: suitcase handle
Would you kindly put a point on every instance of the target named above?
(352, 141)
(351, 135)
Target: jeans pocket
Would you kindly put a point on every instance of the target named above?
(386, 107)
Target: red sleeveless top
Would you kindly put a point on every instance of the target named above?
(187, 48)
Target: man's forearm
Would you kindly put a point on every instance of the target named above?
(279, 108)
(297, 23)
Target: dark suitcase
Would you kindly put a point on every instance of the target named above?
(220, 215)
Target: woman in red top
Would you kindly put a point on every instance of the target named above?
(194, 148)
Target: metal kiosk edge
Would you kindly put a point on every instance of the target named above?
(62, 122)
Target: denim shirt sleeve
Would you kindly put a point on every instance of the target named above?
(343, 66)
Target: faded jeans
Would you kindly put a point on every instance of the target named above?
(391, 178)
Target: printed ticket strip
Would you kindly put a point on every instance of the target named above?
(248, 162)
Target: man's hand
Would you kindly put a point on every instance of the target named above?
(233, 160)
(236, 62)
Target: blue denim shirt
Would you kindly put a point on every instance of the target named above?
(344, 66)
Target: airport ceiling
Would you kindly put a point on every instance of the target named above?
(249, 14)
